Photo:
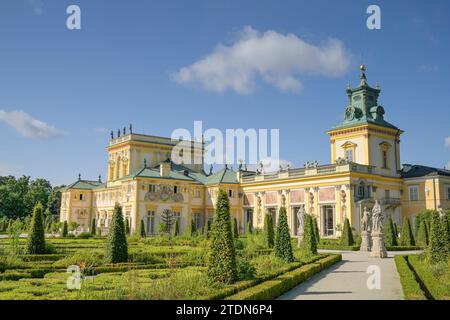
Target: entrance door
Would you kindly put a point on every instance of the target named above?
(328, 220)
(273, 213)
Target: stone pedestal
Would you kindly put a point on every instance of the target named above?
(299, 239)
(365, 241)
(378, 248)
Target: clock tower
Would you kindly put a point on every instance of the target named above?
(364, 136)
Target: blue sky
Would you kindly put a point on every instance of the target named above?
(121, 67)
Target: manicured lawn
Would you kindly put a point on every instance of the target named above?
(421, 280)
(158, 268)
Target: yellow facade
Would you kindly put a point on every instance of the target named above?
(365, 167)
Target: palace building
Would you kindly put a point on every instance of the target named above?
(364, 167)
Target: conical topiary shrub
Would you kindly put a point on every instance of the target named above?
(249, 227)
(93, 227)
(308, 246)
(347, 234)
(436, 249)
(176, 230)
(406, 236)
(283, 246)
(316, 229)
(390, 238)
(235, 228)
(268, 230)
(193, 229)
(142, 232)
(417, 223)
(36, 236)
(116, 245)
(422, 234)
(222, 257)
(127, 227)
(64, 229)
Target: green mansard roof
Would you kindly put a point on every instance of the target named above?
(363, 106)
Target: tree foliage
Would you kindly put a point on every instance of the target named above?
(422, 234)
(116, 246)
(316, 229)
(308, 246)
(268, 230)
(36, 236)
(406, 236)
(222, 257)
(283, 246)
(64, 229)
(390, 238)
(93, 227)
(347, 234)
(142, 232)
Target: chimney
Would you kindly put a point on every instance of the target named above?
(164, 168)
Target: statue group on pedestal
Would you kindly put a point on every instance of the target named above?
(372, 237)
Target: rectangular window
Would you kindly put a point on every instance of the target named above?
(413, 193)
(447, 188)
(196, 193)
(349, 155)
(151, 188)
(175, 189)
(230, 193)
(385, 160)
(129, 188)
(81, 197)
(150, 222)
(387, 194)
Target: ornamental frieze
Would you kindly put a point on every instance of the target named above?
(164, 193)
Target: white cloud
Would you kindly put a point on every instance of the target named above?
(37, 6)
(429, 68)
(448, 166)
(100, 130)
(447, 142)
(273, 57)
(8, 169)
(27, 126)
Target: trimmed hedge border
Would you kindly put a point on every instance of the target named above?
(272, 289)
(337, 247)
(403, 248)
(438, 289)
(411, 289)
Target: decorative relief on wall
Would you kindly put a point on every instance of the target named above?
(248, 199)
(271, 197)
(297, 196)
(164, 193)
(327, 194)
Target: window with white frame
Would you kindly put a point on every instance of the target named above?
(196, 193)
(413, 193)
(349, 155)
(447, 192)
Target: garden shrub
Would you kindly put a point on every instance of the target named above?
(36, 237)
(347, 235)
(438, 249)
(406, 237)
(84, 235)
(245, 269)
(390, 237)
(116, 246)
(422, 234)
(411, 289)
(65, 229)
(308, 246)
(142, 232)
(235, 228)
(93, 227)
(439, 289)
(316, 229)
(268, 230)
(222, 258)
(283, 247)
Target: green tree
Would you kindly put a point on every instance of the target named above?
(193, 229)
(36, 236)
(316, 229)
(249, 227)
(207, 229)
(347, 234)
(235, 228)
(65, 229)
(283, 246)
(406, 236)
(417, 223)
(222, 256)
(169, 219)
(127, 227)
(93, 227)
(142, 232)
(390, 238)
(176, 231)
(268, 230)
(308, 246)
(422, 234)
(116, 245)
